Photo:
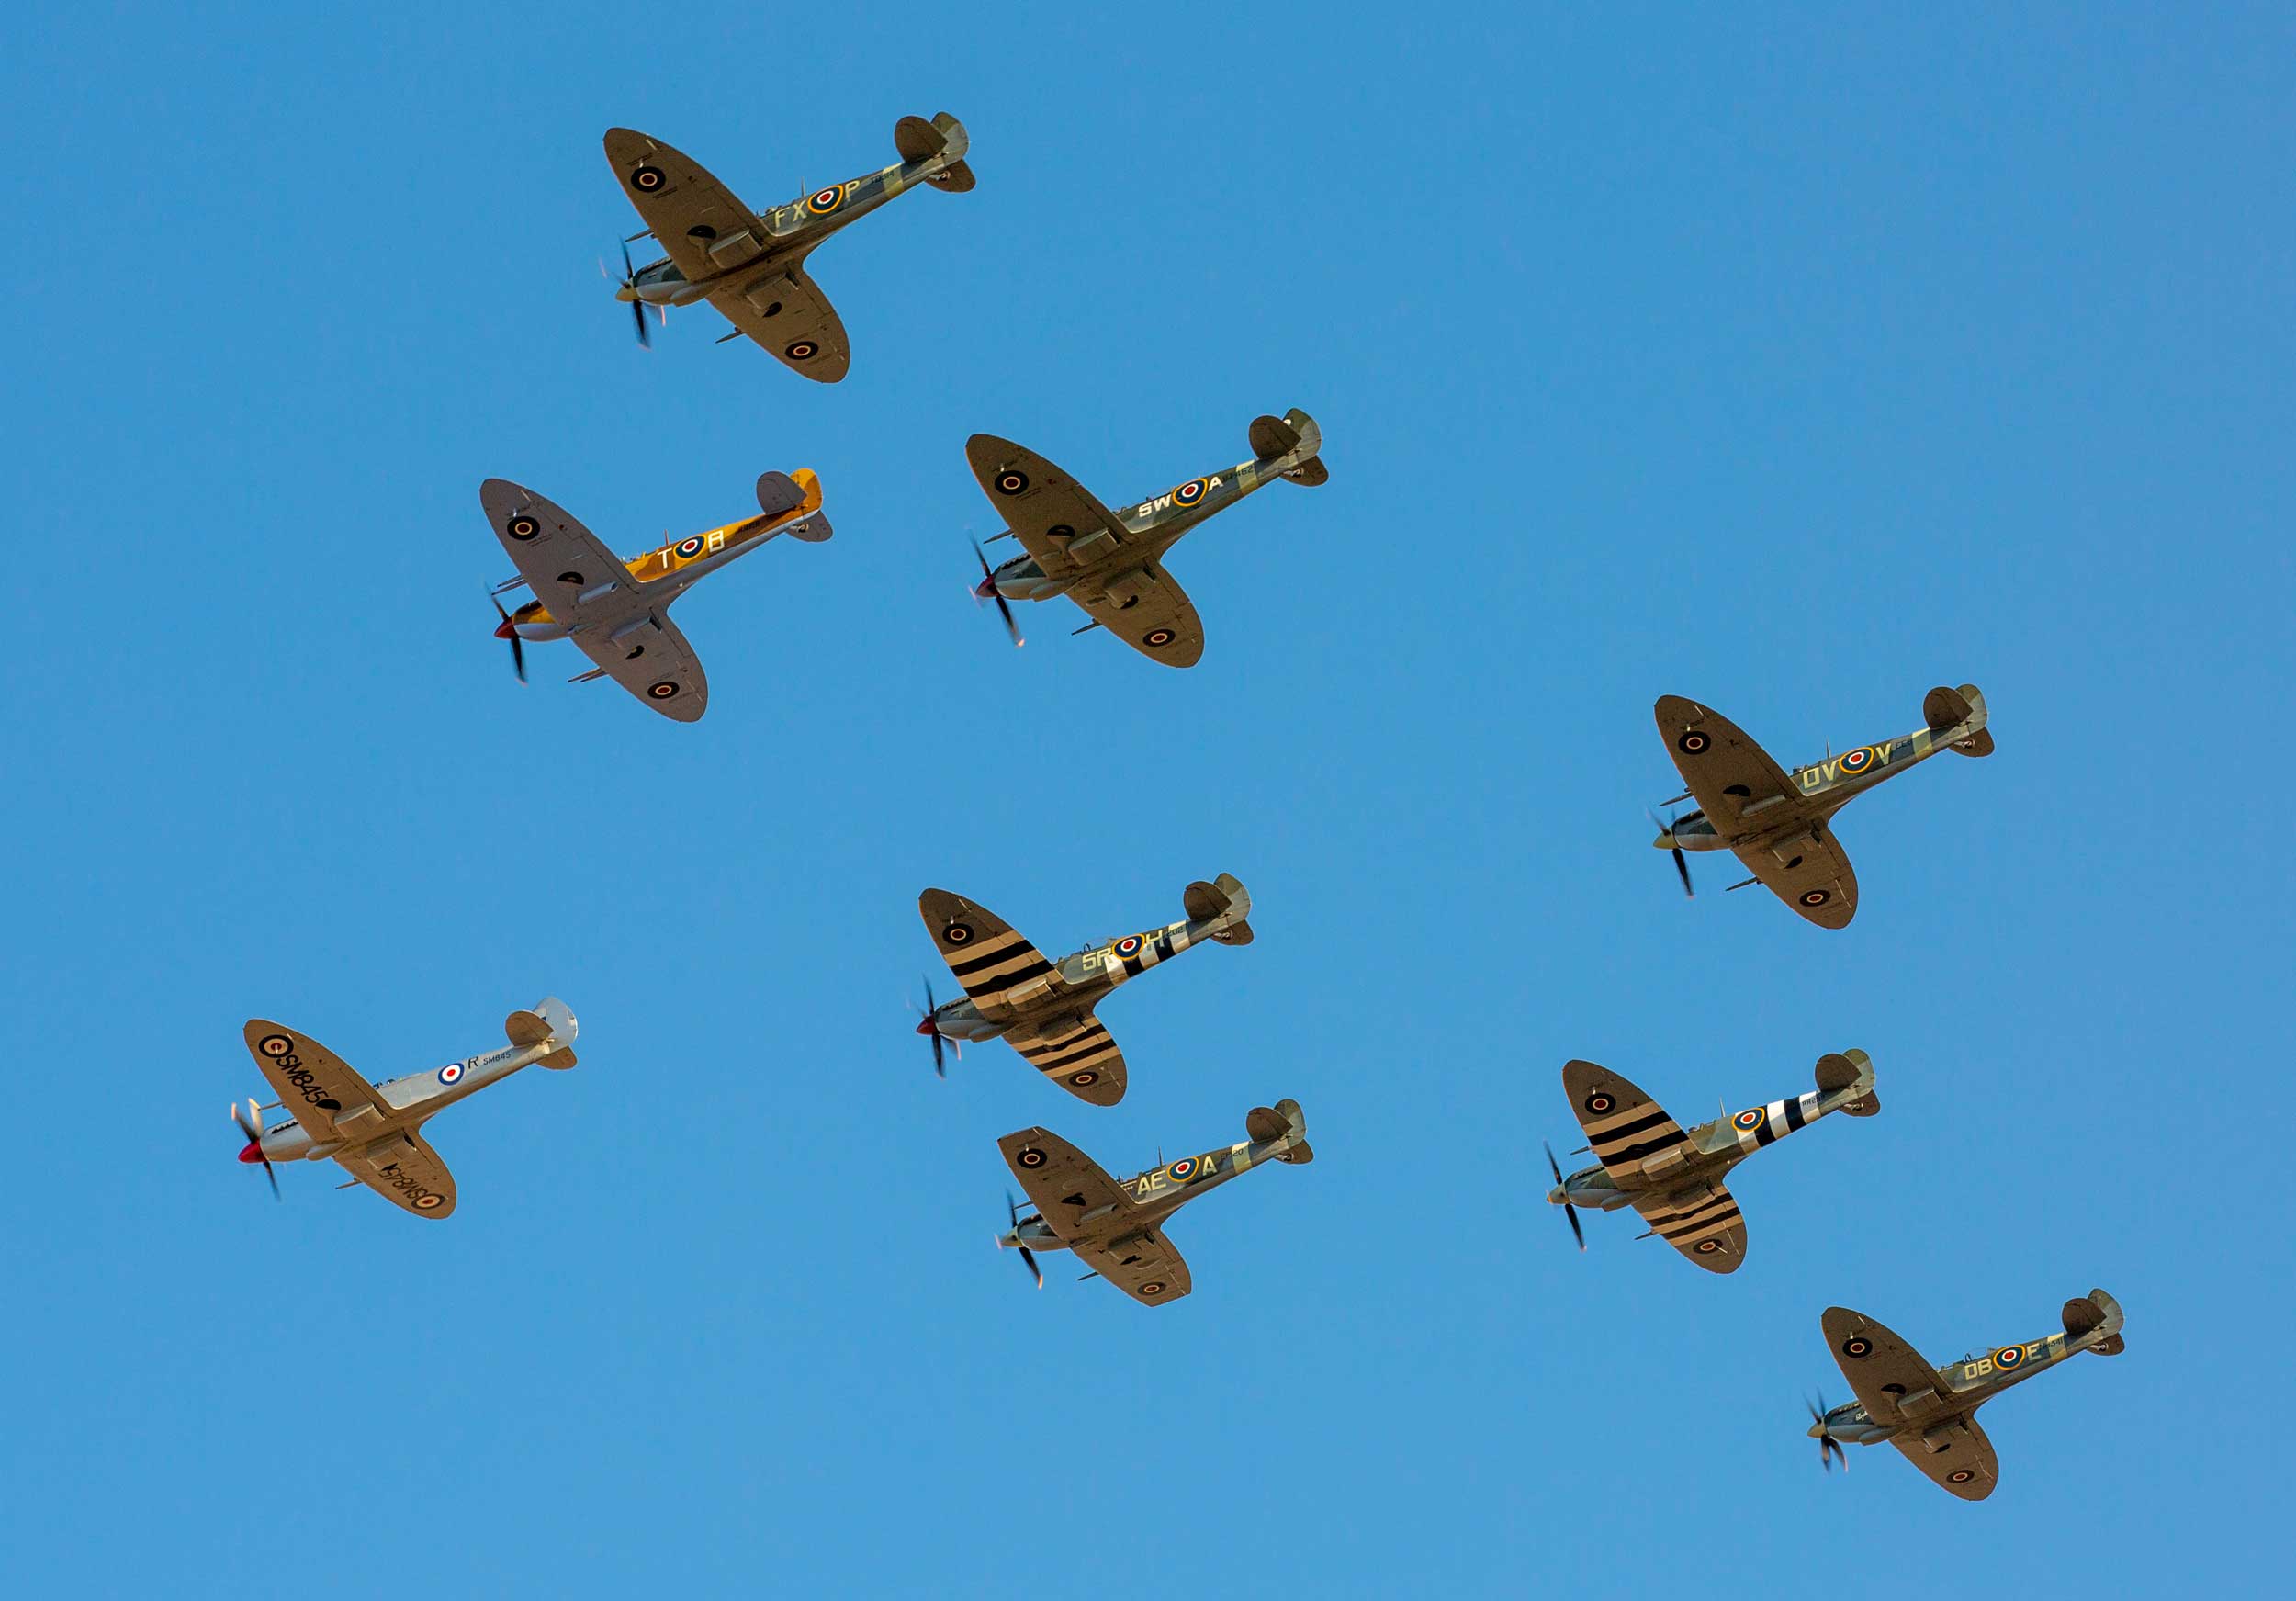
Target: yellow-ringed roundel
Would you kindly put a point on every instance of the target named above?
(1816, 896)
(1086, 1079)
(427, 1202)
(1599, 1102)
(1030, 1157)
(956, 933)
(1153, 1286)
(276, 1046)
(451, 1073)
(1690, 744)
(522, 526)
(1188, 494)
(662, 689)
(821, 202)
(1158, 638)
(689, 549)
(1857, 1346)
(1856, 761)
(1183, 1169)
(801, 350)
(1961, 1475)
(2008, 1356)
(1707, 1247)
(1012, 481)
(648, 179)
(1749, 1120)
(1128, 945)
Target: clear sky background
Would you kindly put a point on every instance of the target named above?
(1797, 362)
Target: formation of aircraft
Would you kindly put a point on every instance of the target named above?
(375, 1130)
(752, 267)
(1672, 1177)
(1044, 1009)
(1111, 563)
(616, 609)
(1779, 824)
(1931, 1413)
(1119, 1227)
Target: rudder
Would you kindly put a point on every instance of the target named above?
(1224, 898)
(1959, 712)
(1291, 442)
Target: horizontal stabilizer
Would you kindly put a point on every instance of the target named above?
(548, 1023)
(1223, 901)
(1959, 713)
(1296, 1127)
(2098, 1314)
(1300, 1151)
(1291, 443)
(942, 139)
(813, 530)
(1865, 1106)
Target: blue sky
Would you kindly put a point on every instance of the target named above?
(1797, 363)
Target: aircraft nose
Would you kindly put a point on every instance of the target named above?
(252, 1153)
(1817, 1430)
(505, 629)
(1665, 842)
(925, 1026)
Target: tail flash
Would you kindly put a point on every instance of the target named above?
(1224, 902)
(1291, 443)
(1850, 1071)
(943, 140)
(1960, 715)
(548, 1023)
(2096, 1313)
(1283, 1123)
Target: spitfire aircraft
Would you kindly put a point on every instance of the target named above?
(1931, 1413)
(1111, 563)
(617, 609)
(752, 267)
(1118, 1227)
(375, 1130)
(1779, 823)
(1043, 1009)
(1646, 1160)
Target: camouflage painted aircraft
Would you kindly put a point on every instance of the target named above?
(375, 1130)
(617, 609)
(1674, 1178)
(1111, 563)
(1044, 1008)
(1931, 1413)
(1118, 1227)
(751, 267)
(1779, 823)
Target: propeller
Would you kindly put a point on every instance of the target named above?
(629, 282)
(926, 1026)
(509, 631)
(245, 1118)
(1570, 1212)
(1681, 863)
(1028, 1260)
(986, 589)
(1828, 1448)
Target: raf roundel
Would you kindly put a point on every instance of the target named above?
(427, 1202)
(1750, 1118)
(1183, 1168)
(1599, 1102)
(451, 1073)
(1012, 481)
(1857, 1346)
(690, 549)
(1153, 1286)
(1188, 494)
(662, 689)
(1128, 945)
(1961, 1475)
(821, 202)
(1855, 761)
(1692, 743)
(2008, 1356)
(802, 350)
(1707, 1247)
(1157, 637)
(648, 179)
(276, 1046)
(956, 933)
(1816, 896)
(1085, 1080)
(522, 526)
(1030, 1157)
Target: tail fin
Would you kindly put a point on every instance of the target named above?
(1224, 901)
(1960, 714)
(1293, 441)
(2095, 1313)
(798, 495)
(942, 139)
(549, 1022)
(1851, 1070)
(1282, 1123)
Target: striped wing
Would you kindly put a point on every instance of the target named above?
(1624, 1128)
(1703, 1224)
(989, 958)
(1081, 1060)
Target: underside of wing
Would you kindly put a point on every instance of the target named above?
(317, 1086)
(698, 222)
(784, 311)
(1150, 613)
(1145, 1266)
(1055, 518)
(1956, 1456)
(1624, 1127)
(653, 663)
(996, 966)
(403, 1170)
(1733, 779)
(1083, 1060)
(1074, 1195)
(1889, 1377)
(1809, 871)
(1702, 1224)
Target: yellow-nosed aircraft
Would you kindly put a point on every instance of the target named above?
(617, 609)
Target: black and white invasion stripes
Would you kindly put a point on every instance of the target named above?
(998, 963)
(1078, 1053)
(1761, 1125)
(1621, 1139)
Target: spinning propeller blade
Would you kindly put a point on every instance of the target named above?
(1028, 1258)
(253, 1127)
(986, 589)
(1828, 1448)
(1570, 1212)
(509, 631)
(926, 1026)
(629, 282)
(1682, 864)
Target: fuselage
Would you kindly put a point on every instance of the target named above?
(1718, 1146)
(1158, 1192)
(409, 1100)
(1086, 976)
(1825, 788)
(1962, 1387)
(1150, 527)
